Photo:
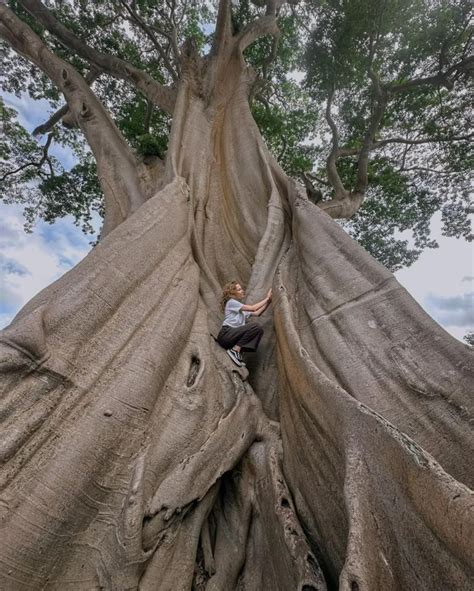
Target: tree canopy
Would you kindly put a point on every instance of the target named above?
(135, 454)
(366, 102)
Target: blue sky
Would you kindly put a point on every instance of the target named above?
(442, 280)
(30, 114)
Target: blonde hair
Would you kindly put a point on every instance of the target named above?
(229, 291)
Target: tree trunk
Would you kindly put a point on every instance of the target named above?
(135, 455)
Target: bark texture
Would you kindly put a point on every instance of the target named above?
(136, 456)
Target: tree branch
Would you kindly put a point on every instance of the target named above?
(116, 164)
(342, 208)
(439, 79)
(400, 140)
(430, 170)
(48, 125)
(170, 17)
(148, 31)
(223, 32)
(333, 175)
(273, 6)
(265, 25)
(162, 96)
(173, 43)
(374, 123)
(91, 76)
(315, 195)
(313, 177)
(261, 99)
(44, 158)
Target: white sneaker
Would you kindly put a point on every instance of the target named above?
(235, 357)
(239, 357)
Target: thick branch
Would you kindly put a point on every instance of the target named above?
(48, 125)
(342, 208)
(273, 6)
(319, 180)
(173, 43)
(333, 175)
(172, 35)
(375, 120)
(60, 113)
(162, 96)
(439, 79)
(314, 195)
(115, 162)
(223, 31)
(265, 25)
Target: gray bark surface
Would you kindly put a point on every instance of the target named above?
(136, 456)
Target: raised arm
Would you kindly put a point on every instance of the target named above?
(259, 307)
(260, 310)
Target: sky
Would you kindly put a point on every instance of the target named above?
(442, 280)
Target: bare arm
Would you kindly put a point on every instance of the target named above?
(256, 307)
(261, 310)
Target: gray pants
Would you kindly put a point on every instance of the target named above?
(247, 336)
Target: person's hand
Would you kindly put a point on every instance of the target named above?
(269, 295)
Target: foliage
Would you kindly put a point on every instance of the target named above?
(469, 338)
(400, 41)
(324, 46)
(34, 178)
(394, 205)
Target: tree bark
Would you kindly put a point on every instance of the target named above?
(136, 456)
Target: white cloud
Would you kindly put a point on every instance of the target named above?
(30, 262)
(9, 298)
(63, 154)
(440, 275)
(30, 112)
(41, 257)
(453, 310)
(8, 234)
(11, 266)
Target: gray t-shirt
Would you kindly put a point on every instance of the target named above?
(233, 314)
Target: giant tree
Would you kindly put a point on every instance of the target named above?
(134, 455)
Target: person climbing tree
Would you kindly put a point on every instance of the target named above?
(235, 335)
